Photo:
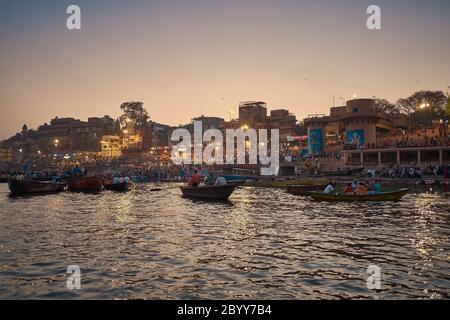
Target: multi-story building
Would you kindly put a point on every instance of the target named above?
(356, 125)
(110, 146)
(253, 114)
(285, 121)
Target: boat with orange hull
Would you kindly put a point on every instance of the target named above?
(86, 184)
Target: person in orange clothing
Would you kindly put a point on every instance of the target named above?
(361, 190)
(348, 189)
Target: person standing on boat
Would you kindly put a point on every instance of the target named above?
(220, 181)
(329, 188)
(76, 171)
(196, 179)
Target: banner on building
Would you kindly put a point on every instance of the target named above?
(315, 141)
(355, 137)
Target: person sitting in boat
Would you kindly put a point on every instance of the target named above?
(220, 181)
(126, 179)
(348, 189)
(117, 180)
(329, 188)
(361, 190)
(377, 186)
(196, 179)
(354, 185)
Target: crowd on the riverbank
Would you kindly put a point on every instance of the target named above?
(416, 172)
(417, 140)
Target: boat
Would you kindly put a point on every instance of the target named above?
(120, 186)
(89, 184)
(18, 187)
(337, 197)
(302, 190)
(209, 192)
(284, 183)
(234, 178)
(343, 173)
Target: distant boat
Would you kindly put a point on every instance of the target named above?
(18, 187)
(209, 192)
(346, 172)
(119, 187)
(303, 190)
(337, 197)
(283, 183)
(89, 184)
(232, 178)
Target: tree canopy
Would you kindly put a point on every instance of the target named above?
(435, 100)
(447, 108)
(383, 105)
(135, 112)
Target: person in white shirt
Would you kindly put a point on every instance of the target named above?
(220, 181)
(329, 188)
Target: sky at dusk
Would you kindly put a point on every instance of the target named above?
(187, 58)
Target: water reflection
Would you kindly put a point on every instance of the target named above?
(261, 244)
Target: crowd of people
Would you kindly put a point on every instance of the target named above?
(359, 188)
(416, 172)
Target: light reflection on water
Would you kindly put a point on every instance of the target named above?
(261, 244)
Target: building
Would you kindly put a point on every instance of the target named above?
(354, 126)
(285, 121)
(253, 114)
(86, 136)
(110, 146)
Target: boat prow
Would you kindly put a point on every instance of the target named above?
(119, 187)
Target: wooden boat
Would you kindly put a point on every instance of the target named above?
(346, 172)
(119, 187)
(209, 192)
(284, 183)
(303, 190)
(89, 184)
(337, 197)
(34, 187)
(233, 178)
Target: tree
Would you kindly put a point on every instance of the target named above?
(447, 108)
(135, 112)
(434, 99)
(383, 105)
(24, 128)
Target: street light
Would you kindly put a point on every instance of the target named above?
(343, 100)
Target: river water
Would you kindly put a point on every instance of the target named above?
(263, 244)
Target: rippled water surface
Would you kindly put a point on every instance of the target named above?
(263, 244)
